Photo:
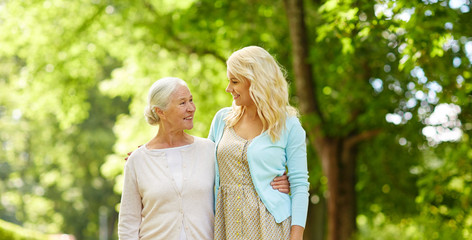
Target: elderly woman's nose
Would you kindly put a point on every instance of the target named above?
(191, 107)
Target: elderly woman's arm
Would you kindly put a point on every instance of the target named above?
(130, 208)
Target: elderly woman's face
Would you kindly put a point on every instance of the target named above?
(180, 111)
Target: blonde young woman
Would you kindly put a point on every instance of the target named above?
(258, 138)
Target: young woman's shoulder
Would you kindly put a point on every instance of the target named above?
(223, 112)
(293, 121)
(294, 126)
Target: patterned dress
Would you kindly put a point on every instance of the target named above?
(240, 213)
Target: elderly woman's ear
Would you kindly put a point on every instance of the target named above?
(159, 112)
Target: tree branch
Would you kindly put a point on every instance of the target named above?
(182, 45)
(353, 140)
(305, 86)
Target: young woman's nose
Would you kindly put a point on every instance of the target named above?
(229, 88)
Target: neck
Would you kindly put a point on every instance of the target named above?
(251, 112)
(166, 138)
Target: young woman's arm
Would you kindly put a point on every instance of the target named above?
(296, 232)
(297, 174)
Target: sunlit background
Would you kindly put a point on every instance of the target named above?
(391, 85)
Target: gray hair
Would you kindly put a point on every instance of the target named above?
(159, 96)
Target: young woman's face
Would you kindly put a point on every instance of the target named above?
(181, 109)
(239, 90)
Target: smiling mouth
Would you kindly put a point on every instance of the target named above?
(188, 118)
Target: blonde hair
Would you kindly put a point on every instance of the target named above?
(268, 89)
(159, 96)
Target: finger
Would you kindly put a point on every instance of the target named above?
(280, 178)
(278, 183)
(281, 186)
(284, 190)
(281, 189)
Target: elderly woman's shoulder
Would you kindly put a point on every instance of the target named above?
(136, 155)
(204, 141)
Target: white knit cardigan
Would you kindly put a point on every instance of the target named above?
(152, 207)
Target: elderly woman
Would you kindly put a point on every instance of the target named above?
(169, 181)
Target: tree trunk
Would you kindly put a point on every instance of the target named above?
(300, 49)
(336, 154)
(316, 219)
(347, 188)
(339, 167)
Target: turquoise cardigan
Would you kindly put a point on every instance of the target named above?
(268, 160)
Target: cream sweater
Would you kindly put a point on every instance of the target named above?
(151, 205)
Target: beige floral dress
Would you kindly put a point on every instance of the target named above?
(240, 213)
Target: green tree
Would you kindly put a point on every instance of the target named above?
(56, 127)
(388, 59)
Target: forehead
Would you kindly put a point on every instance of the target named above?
(240, 78)
(181, 92)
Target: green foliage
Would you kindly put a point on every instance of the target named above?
(446, 192)
(415, 228)
(385, 47)
(10, 231)
(74, 76)
(56, 128)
